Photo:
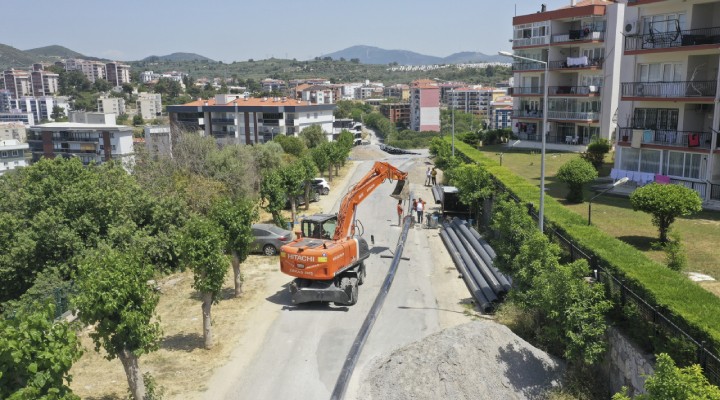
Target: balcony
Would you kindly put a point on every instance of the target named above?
(577, 63)
(668, 137)
(674, 39)
(223, 120)
(527, 114)
(574, 90)
(578, 35)
(528, 66)
(531, 41)
(525, 90)
(574, 115)
(664, 90)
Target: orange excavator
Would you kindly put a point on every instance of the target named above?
(330, 268)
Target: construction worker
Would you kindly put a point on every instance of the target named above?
(433, 175)
(399, 211)
(427, 176)
(420, 208)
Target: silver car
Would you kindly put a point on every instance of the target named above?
(269, 238)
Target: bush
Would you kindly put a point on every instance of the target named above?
(596, 152)
(675, 257)
(575, 173)
(665, 203)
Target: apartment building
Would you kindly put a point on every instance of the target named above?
(12, 155)
(474, 100)
(397, 113)
(149, 105)
(44, 83)
(93, 137)
(399, 91)
(273, 85)
(579, 43)
(13, 131)
(24, 118)
(40, 107)
(18, 83)
(117, 73)
(230, 117)
(669, 111)
(319, 94)
(111, 105)
(424, 105)
(501, 113)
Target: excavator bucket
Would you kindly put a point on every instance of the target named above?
(400, 191)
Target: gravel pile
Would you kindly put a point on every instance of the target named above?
(477, 360)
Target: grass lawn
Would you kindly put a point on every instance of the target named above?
(700, 233)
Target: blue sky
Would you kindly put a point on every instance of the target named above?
(235, 30)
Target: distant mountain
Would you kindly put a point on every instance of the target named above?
(54, 51)
(376, 55)
(175, 57)
(11, 57)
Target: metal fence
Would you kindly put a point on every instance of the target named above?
(665, 332)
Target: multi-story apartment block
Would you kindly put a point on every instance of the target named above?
(18, 83)
(96, 139)
(397, 113)
(12, 155)
(368, 92)
(579, 44)
(5, 97)
(424, 105)
(147, 76)
(25, 118)
(40, 107)
(501, 113)
(244, 120)
(320, 94)
(111, 105)
(149, 105)
(44, 83)
(475, 100)
(13, 131)
(117, 73)
(399, 91)
(273, 85)
(669, 111)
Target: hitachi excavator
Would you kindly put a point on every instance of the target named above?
(328, 257)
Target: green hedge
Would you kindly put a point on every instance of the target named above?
(674, 293)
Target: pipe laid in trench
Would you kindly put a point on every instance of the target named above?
(484, 286)
(503, 285)
(472, 286)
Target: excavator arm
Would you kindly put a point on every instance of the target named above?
(361, 190)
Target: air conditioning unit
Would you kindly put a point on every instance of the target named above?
(631, 28)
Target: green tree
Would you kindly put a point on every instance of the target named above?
(203, 252)
(596, 151)
(672, 382)
(474, 185)
(320, 158)
(313, 136)
(138, 120)
(309, 172)
(336, 157)
(122, 119)
(101, 85)
(292, 178)
(58, 114)
(665, 203)
(113, 294)
(346, 139)
(273, 195)
(291, 145)
(36, 354)
(236, 219)
(575, 173)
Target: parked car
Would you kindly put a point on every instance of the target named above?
(321, 186)
(300, 199)
(269, 238)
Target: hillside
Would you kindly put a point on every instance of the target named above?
(376, 55)
(54, 51)
(11, 57)
(177, 57)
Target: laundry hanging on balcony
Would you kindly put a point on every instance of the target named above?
(577, 61)
(693, 140)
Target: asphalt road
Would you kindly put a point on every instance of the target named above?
(306, 345)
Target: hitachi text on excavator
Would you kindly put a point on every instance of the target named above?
(327, 259)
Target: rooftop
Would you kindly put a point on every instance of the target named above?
(79, 125)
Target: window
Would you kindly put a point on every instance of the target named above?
(663, 23)
(684, 165)
(642, 160)
(655, 118)
(659, 72)
(3, 154)
(113, 147)
(15, 153)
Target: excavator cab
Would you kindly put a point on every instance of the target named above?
(319, 226)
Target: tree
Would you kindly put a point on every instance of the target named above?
(320, 158)
(309, 172)
(313, 136)
(236, 219)
(272, 193)
(672, 382)
(58, 114)
(36, 354)
(575, 173)
(113, 294)
(336, 155)
(291, 144)
(665, 203)
(203, 252)
(474, 185)
(138, 120)
(596, 152)
(346, 139)
(101, 85)
(292, 178)
(122, 119)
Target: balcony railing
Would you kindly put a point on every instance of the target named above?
(699, 187)
(527, 114)
(533, 41)
(666, 40)
(669, 89)
(580, 34)
(574, 115)
(518, 90)
(714, 191)
(223, 120)
(573, 90)
(528, 66)
(670, 137)
(577, 62)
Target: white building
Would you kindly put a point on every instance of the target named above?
(12, 155)
(13, 131)
(93, 137)
(40, 107)
(147, 76)
(149, 105)
(111, 105)
(24, 118)
(158, 139)
(669, 111)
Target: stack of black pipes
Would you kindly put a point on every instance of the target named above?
(473, 258)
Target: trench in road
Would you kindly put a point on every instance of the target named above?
(305, 347)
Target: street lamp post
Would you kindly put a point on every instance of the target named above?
(541, 210)
(621, 181)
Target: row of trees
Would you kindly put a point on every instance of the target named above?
(102, 235)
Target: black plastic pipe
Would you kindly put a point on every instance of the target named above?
(470, 283)
(480, 264)
(484, 286)
(497, 280)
